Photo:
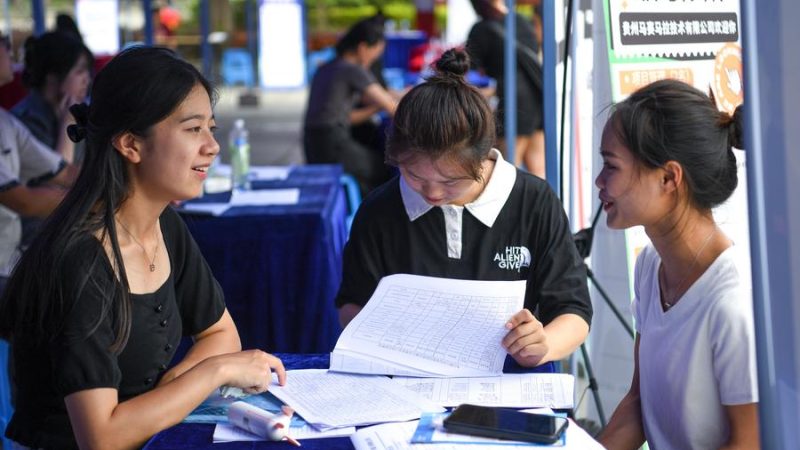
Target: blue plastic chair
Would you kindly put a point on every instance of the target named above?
(237, 67)
(5, 394)
(353, 193)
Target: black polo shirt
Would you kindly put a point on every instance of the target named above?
(515, 230)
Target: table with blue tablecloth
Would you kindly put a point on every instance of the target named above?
(200, 435)
(280, 265)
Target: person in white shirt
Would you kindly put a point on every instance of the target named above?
(667, 162)
(32, 177)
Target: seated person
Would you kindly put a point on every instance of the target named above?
(96, 307)
(335, 89)
(24, 160)
(667, 162)
(57, 74)
(458, 210)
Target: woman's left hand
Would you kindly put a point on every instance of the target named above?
(526, 340)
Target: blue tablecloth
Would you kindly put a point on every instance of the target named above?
(280, 266)
(200, 435)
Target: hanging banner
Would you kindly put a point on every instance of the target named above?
(98, 21)
(281, 40)
(695, 41)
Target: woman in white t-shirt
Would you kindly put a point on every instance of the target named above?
(667, 161)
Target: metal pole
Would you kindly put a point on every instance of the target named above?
(771, 63)
(7, 15)
(251, 12)
(205, 29)
(510, 79)
(147, 6)
(37, 7)
(550, 59)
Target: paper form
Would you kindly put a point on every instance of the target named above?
(524, 390)
(333, 400)
(215, 209)
(225, 432)
(397, 436)
(263, 197)
(426, 326)
(270, 172)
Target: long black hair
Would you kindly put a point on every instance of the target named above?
(669, 120)
(444, 117)
(53, 53)
(137, 89)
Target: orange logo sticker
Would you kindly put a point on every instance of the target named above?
(728, 84)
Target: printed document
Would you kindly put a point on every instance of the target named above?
(333, 400)
(225, 432)
(430, 327)
(517, 390)
(397, 436)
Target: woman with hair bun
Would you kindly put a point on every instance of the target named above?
(667, 162)
(96, 307)
(57, 72)
(458, 210)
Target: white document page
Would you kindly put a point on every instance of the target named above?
(215, 209)
(226, 432)
(430, 327)
(397, 436)
(334, 400)
(263, 197)
(270, 172)
(523, 390)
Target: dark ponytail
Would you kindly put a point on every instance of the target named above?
(443, 117)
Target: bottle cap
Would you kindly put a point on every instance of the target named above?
(238, 123)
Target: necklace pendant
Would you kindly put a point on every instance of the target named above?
(152, 267)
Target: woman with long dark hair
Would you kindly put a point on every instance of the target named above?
(97, 306)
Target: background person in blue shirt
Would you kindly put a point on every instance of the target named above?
(458, 210)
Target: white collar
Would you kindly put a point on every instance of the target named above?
(485, 208)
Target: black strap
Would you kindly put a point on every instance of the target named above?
(526, 59)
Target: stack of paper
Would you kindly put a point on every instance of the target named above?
(518, 390)
(430, 327)
(397, 436)
(332, 400)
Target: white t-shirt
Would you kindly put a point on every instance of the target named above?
(22, 159)
(694, 358)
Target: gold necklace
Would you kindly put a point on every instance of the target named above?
(666, 301)
(155, 250)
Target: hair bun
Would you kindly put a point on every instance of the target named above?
(453, 63)
(79, 130)
(735, 127)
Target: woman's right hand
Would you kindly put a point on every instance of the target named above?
(250, 370)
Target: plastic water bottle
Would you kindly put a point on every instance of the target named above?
(239, 147)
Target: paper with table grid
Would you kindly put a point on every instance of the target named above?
(430, 327)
